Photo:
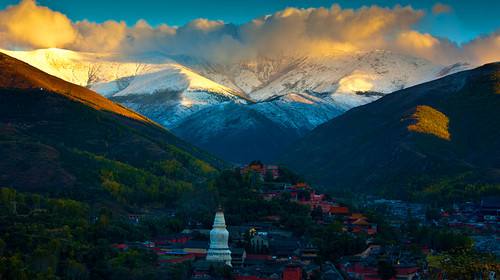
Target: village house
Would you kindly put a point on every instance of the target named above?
(259, 243)
(198, 248)
(135, 218)
(262, 250)
(490, 209)
(238, 256)
(365, 265)
(480, 218)
(266, 271)
(338, 210)
(177, 238)
(330, 272)
(258, 259)
(257, 167)
(308, 252)
(400, 210)
(239, 234)
(292, 271)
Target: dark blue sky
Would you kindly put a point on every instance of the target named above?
(467, 19)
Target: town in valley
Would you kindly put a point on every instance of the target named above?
(363, 238)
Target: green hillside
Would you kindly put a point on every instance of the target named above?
(63, 139)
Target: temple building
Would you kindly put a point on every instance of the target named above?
(219, 248)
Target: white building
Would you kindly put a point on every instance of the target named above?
(219, 248)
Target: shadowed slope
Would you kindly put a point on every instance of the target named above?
(411, 138)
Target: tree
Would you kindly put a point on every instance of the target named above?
(76, 271)
(123, 80)
(92, 74)
(467, 264)
(179, 271)
(333, 243)
(2, 246)
(12, 268)
(386, 270)
(317, 213)
(432, 214)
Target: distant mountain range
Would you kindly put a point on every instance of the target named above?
(439, 137)
(59, 137)
(202, 101)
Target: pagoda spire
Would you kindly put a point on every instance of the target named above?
(219, 236)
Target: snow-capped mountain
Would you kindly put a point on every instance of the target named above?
(168, 95)
(299, 111)
(236, 132)
(339, 73)
(165, 90)
(85, 69)
(241, 102)
(303, 92)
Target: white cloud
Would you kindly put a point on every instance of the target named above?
(28, 24)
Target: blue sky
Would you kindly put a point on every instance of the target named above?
(467, 19)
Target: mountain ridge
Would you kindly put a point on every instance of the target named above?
(377, 149)
(20, 75)
(52, 141)
(292, 94)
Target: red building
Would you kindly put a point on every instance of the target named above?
(292, 272)
(173, 239)
(121, 246)
(261, 169)
(339, 210)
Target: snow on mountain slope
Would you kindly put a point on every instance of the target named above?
(110, 74)
(167, 90)
(173, 77)
(85, 69)
(171, 108)
(339, 73)
(247, 76)
(301, 112)
(236, 132)
(303, 92)
(241, 101)
(169, 95)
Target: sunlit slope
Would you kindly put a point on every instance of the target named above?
(430, 121)
(85, 69)
(111, 74)
(19, 75)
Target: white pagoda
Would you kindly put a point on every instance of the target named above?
(219, 249)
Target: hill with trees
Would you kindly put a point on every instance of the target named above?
(439, 139)
(63, 139)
